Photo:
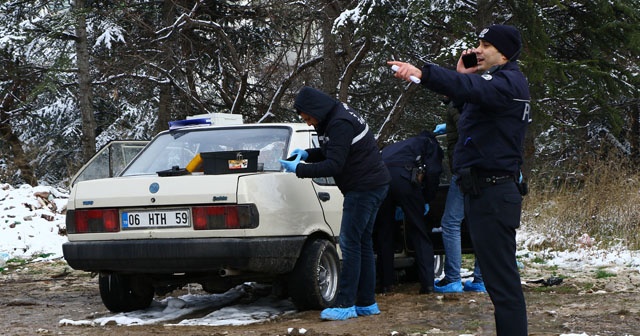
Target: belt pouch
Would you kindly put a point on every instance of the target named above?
(468, 182)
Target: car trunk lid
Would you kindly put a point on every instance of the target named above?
(155, 191)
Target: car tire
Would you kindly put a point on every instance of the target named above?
(123, 293)
(410, 274)
(313, 284)
(438, 265)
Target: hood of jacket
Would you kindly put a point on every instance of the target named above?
(314, 103)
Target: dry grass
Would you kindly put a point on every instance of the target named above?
(603, 203)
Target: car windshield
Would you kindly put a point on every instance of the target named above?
(178, 148)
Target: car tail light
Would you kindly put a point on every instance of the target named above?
(243, 216)
(93, 221)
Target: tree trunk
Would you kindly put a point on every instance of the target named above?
(165, 99)
(11, 139)
(164, 108)
(85, 95)
(329, 74)
(19, 157)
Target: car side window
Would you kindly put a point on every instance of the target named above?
(110, 160)
(270, 153)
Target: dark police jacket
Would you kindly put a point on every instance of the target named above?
(348, 150)
(405, 155)
(493, 119)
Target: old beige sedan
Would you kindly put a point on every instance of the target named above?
(235, 217)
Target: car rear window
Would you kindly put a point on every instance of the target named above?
(177, 148)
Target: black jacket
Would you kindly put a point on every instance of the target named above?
(422, 149)
(348, 150)
(493, 119)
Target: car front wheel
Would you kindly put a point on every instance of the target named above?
(124, 293)
(314, 281)
(438, 265)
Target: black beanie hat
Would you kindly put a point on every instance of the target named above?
(505, 38)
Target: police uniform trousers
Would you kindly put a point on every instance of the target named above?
(409, 197)
(493, 217)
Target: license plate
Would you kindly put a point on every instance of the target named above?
(155, 218)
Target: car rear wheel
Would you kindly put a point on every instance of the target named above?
(124, 293)
(314, 281)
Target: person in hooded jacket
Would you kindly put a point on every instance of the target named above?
(488, 158)
(348, 152)
(413, 194)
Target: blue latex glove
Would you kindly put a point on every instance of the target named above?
(426, 209)
(399, 214)
(301, 153)
(290, 166)
(440, 129)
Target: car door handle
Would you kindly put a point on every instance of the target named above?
(324, 196)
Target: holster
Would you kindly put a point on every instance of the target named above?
(417, 175)
(468, 182)
(523, 188)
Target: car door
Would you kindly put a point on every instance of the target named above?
(330, 200)
(109, 161)
(329, 195)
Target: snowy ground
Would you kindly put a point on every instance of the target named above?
(32, 224)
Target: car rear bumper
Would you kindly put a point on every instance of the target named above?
(273, 255)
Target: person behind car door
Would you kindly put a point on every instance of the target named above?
(488, 158)
(452, 218)
(415, 165)
(348, 152)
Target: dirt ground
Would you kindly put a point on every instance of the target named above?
(36, 296)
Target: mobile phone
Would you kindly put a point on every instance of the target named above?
(470, 60)
(291, 158)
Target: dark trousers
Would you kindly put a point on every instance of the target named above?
(409, 197)
(358, 273)
(385, 235)
(493, 217)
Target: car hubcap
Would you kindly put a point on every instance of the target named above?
(327, 278)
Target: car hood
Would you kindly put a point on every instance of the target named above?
(153, 190)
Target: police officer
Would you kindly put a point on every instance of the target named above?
(348, 152)
(488, 157)
(453, 216)
(415, 165)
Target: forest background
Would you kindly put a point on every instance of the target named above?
(76, 74)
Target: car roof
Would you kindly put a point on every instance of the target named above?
(294, 126)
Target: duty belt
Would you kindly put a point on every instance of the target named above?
(494, 180)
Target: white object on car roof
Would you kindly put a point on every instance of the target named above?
(220, 118)
(207, 120)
